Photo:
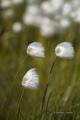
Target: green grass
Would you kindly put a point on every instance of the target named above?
(63, 90)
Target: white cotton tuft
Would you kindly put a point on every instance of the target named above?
(66, 9)
(31, 79)
(47, 28)
(6, 14)
(17, 27)
(57, 4)
(36, 49)
(6, 3)
(64, 50)
(75, 3)
(64, 23)
(77, 17)
(33, 9)
(17, 1)
(47, 8)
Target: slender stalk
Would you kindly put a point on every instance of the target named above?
(19, 104)
(52, 114)
(46, 105)
(53, 65)
(48, 100)
(43, 100)
(46, 89)
(8, 101)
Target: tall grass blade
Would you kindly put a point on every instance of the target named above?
(45, 92)
(53, 65)
(43, 100)
(48, 100)
(8, 101)
(19, 104)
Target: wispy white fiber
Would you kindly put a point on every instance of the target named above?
(36, 49)
(64, 50)
(31, 79)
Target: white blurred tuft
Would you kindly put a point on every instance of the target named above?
(36, 49)
(31, 79)
(64, 50)
(17, 27)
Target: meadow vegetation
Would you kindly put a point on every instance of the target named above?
(63, 94)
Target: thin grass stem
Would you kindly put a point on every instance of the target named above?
(43, 100)
(46, 89)
(53, 65)
(8, 101)
(48, 100)
(18, 110)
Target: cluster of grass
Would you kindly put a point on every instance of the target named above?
(64, 86)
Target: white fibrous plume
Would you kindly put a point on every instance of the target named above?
(17, 27)
(77, 17)
(31, 79)
(6, 3)
(17, 1)
(64, 13)
(28, 19)
(57, 4)
(33, 9)
(66, 9)
(75, 3)
(36, 49)
(32, 15)
(64, 23)
(47, 27)
(32, 20)
(47, 8)
(64, 50)
(6, 14)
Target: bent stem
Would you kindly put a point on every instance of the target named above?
(53, 65)
(46, 89)
(8, 101)
(19, 103)
(46, 105)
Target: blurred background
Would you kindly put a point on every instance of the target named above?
(49, 22)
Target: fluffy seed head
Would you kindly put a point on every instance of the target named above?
(66, 9)
(31, 79)
(47, 27)
(47, 8)
(65, 23)
(64, 50)
(36, 49)
(6, 14)
(17, 1)
(17, 27)
(5, 3)
(57, 4)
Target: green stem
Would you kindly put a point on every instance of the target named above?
(53, 65)
(46, 89)
(8, 101)
(20, 103)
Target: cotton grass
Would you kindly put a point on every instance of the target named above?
(64, 13)
(64, 50)
(31, 79)
(17, 27)
(36, 49)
